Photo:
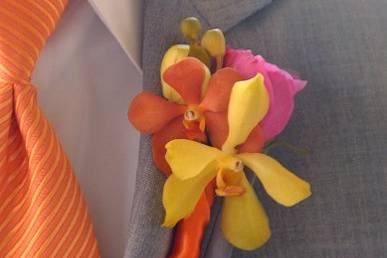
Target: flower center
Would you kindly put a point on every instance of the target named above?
(194, 124)
(229, 177)
(191, 115)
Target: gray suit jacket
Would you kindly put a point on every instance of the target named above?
(340, 47)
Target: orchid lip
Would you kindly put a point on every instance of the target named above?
(230, 191)
(229, 177)
(195, 123)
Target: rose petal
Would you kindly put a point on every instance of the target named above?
(281, 86)
(248, 65)
(285, 87)
(150, 113)
(187, 77)
(244, 62)
(173, 130)
(219, 90)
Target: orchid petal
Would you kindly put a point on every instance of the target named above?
(173, 130)
(244, 221)
(150, 113)
(188, 158)
(249, 103)
(172, 56)
(181, 196)
(217, 127)
(254, 143)
(219, 89)
(189, 78)
(281, 184)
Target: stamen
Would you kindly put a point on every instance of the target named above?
(190, 115)
(238, 166)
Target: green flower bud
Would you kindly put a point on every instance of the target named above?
(213, 40)
(190, 28)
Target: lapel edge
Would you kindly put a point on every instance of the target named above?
(131, 47)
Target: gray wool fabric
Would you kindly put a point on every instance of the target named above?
(340, 47)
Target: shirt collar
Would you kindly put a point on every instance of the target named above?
(124, 20)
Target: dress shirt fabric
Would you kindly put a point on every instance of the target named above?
(85, 81)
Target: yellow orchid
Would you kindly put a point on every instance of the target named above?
(243, 221)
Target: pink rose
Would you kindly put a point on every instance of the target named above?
(281, 86)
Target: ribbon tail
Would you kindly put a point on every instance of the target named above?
(189, 232)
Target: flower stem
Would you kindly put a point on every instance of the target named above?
(279, 142)
(219, 62)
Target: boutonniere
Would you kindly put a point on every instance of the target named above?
(243, 220)
(220, 107)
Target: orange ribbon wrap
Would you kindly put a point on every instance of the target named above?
(189, 232)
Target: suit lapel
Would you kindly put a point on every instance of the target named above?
(225, 14)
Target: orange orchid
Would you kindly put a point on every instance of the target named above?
(193, 100)
(205, 100)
